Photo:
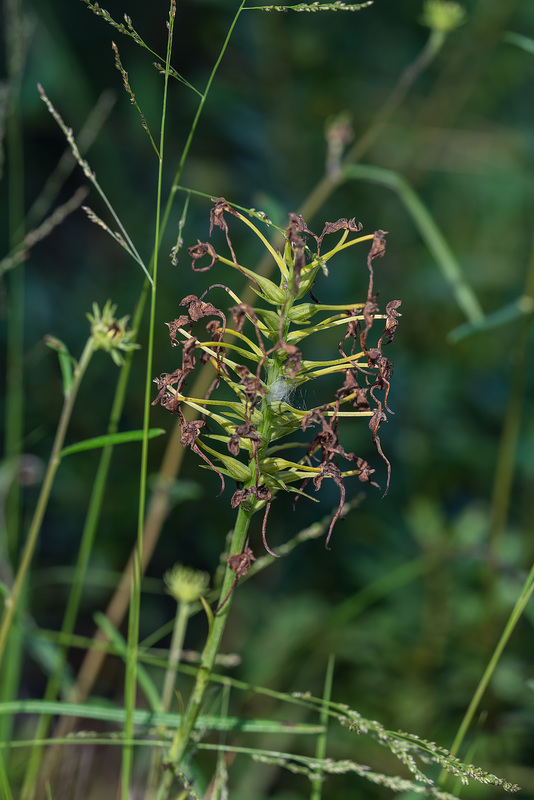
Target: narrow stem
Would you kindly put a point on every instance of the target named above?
(183, 613)
(515, 616)
(429, 231)
(320, 749)
(10, 526)
(432, 47)
(329, 183)
(177, 644)
(183, 734)
(194, 124)
(94, 656)
(135, 604)
(53, 464)
(504, 473)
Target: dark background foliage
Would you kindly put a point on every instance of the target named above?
(414, 594)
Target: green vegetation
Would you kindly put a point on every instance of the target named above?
(311, 603)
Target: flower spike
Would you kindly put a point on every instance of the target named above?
(261, 365)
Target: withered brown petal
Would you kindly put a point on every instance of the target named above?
(198, 251)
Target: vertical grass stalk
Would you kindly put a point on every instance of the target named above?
(11, 603)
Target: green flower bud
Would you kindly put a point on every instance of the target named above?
(442, 15)
(232, 467)
(270, 318)
(185, 584)
(303, 312)
(269, 291)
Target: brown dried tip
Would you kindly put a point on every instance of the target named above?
(198, 251)
(392, 322)
(374, 424)
(239, 563)
(378, 248)
(190, 432)
(342, 224)
(217, 219)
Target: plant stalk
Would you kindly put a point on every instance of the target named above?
(183, 734)
(11, 602)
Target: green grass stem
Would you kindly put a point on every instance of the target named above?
(11, 603)
(213, 641)
(520, 605)
(429, 231)
(320, 747)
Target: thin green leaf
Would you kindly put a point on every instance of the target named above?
(145, 681)
(66, 361)
(146, 717)
(524, 42)
(110, 439)
(429, 231)
(503, 316)
(320, 747)
(208, 612)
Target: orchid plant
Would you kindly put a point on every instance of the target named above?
(270, 366)
(259, 358)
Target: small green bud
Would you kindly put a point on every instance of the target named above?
(185, 584)
(442, 15)
(303, 312)
(233, 468)
(270, 318)
(269, 291)
(306, 282)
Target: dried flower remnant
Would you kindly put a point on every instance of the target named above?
(239, 563)
(260, 359)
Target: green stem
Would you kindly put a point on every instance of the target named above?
(433, 45)
(177, 645)
(53, 464)
(80, 570)
(515, 616)
(94, 656)
(181, 621)
(10, 526)
(329, 183)
(200, 107)
(320, 749)
(504, 472)
(429, 231)
(183, 734)
(135, 604)
(120, 601)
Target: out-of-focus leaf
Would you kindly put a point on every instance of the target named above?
(109, 439)
(429, 231)
(66, 361)
(519, 308)
(524, 42)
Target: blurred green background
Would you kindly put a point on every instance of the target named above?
(417, 587)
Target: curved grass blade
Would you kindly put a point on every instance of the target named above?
(109, 439)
